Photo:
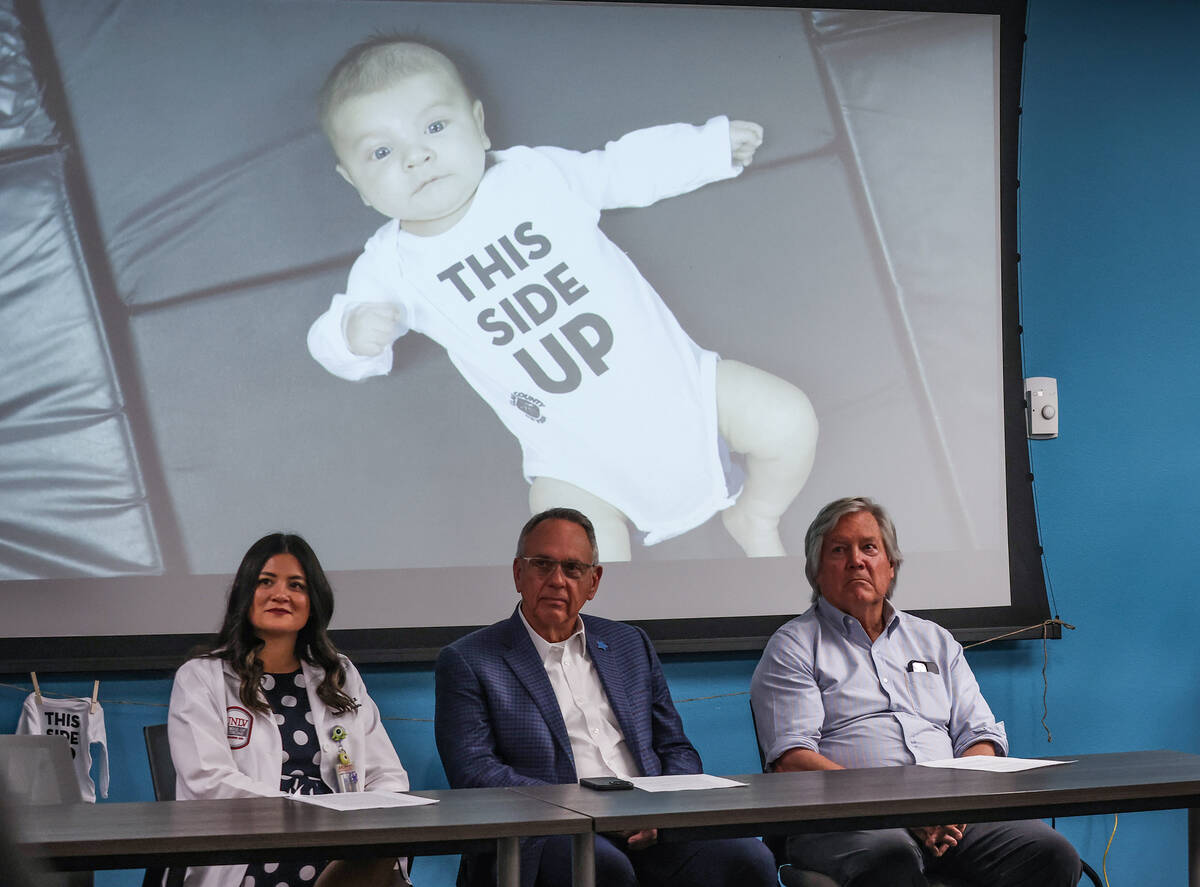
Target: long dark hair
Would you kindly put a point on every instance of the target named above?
(238, 644)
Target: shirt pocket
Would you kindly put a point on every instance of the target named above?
(929, 696)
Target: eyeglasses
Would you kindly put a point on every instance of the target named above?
(545, 566)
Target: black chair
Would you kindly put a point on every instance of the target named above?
(38, 770)
(790, 876)
(162, 777)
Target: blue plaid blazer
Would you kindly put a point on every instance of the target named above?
(498, 723)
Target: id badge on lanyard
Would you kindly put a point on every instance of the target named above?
(347, 776)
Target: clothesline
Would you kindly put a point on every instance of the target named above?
(1045, 625)
(24, 691)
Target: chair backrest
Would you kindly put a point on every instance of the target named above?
(162, 778)
(162, 768)
(789, 876)
(762, 758)
(38, 770)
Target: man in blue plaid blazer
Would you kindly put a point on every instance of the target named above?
(548, 696)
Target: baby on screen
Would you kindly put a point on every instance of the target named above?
(498, 257)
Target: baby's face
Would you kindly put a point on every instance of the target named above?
(414, 150)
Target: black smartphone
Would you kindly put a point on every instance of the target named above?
(606, 783)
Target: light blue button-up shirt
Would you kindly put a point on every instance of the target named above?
(908, 697)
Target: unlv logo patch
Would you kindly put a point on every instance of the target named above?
(238, 726)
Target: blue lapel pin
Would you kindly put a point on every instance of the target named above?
(602, 645)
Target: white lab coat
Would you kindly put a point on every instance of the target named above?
(221, 750)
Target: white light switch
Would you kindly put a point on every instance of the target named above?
(1041, 407)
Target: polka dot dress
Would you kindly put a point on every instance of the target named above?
(301, 774)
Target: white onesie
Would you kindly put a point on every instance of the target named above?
(83, 728)
(557, 330)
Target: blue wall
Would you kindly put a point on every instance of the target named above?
(1110, 240)
(1110, 245)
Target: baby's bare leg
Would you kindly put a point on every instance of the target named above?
(773, 424)
(612, 530)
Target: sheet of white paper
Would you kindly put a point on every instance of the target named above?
(363, 800)
(683, 782)
(994, 764)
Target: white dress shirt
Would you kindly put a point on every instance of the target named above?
(597, 744)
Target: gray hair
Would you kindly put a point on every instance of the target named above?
(828, 517)
(560, 513)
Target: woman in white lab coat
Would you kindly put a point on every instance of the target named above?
(274, 708)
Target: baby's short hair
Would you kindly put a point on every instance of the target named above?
(376, 63)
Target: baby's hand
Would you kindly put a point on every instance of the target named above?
(371, 327)
(744, 139)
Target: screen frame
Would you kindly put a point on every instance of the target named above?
(1025, 617)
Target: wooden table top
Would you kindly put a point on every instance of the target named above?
(126, 835)
(896, 796)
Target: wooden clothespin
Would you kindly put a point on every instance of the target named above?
(95, 697)
(37, 690)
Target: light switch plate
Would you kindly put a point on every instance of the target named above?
(1041, 407)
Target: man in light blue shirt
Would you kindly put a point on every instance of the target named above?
(855, 682)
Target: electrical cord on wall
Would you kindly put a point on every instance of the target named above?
(1037, 516)
(1045, 627)
(1104, 858)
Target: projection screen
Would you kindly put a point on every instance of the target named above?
(176, 223)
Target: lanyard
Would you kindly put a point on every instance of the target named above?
(347, 776)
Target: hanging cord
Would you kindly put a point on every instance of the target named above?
(1037, 516)
(1046, 683)
(1104, 858)
(1045, 627)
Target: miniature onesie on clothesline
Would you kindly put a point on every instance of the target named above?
(82, 726)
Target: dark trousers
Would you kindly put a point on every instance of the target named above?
(725, 862)
(1025, 853)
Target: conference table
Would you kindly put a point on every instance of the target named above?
(883, 797)
(211, 832)
(179, 833)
